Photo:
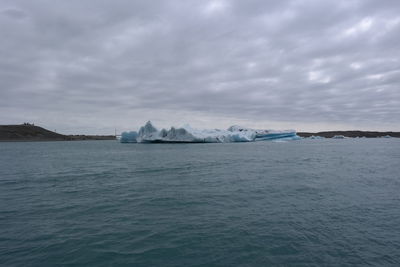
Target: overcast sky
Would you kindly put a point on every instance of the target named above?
(90, 66)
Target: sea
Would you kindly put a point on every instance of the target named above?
(329, 202)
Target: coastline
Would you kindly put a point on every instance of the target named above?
(351, 134)
(32, 133)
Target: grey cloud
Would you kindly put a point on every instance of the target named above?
(113, 63)
(13, 13)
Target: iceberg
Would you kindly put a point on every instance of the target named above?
(316, 137)
(338, 137)
(186, 134)
(274, 134)
(129, 137)
(262, 135)
(148, 133)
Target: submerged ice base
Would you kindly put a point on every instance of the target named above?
(186, 134)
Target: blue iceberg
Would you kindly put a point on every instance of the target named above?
(316, 137)
(263, 135)
(129, 137)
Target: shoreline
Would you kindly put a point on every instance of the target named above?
(32, 133)
(351, 134)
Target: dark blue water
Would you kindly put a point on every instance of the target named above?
(101, 203)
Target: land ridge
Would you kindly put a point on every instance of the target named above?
(30, 132)
(353, 133)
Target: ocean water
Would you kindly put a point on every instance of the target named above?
(102, 203)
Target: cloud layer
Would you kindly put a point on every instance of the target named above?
(90, 66)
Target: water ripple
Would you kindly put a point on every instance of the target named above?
(294, 203)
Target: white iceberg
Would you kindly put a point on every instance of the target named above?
(338, 137)
(186, 134)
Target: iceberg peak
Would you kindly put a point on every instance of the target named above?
(147, 132)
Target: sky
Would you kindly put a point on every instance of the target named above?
(93, 66)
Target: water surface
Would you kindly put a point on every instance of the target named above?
(101, 203)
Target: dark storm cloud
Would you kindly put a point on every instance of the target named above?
(307, 64)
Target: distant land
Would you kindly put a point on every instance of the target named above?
(30, 132)
(368, 134)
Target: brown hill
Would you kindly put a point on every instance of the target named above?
(29, 132)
